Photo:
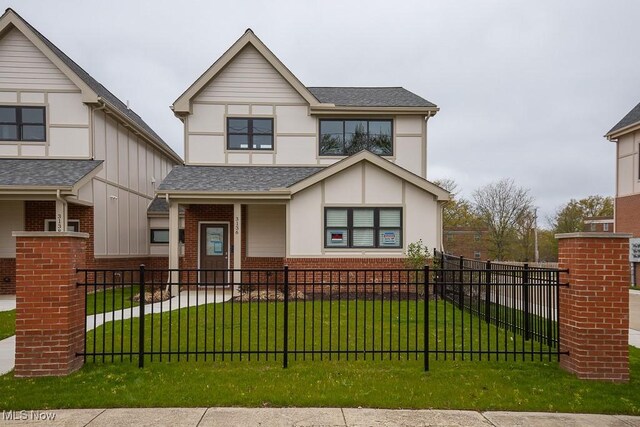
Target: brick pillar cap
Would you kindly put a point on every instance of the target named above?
(593, 235)
(50, 234)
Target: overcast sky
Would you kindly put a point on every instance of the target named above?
(526, 88)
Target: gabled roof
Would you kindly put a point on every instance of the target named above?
(52, 174)
(92, 90)
(182, 105)
(369, 97)
(374, 159)
(628, 123)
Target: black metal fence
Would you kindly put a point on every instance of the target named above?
(286, 314)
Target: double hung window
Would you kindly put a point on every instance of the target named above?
(363, 227)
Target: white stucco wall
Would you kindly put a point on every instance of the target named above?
(363, 184)
(628, 168)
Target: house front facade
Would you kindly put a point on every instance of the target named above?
(312, 177)
(626, 135)
(72, 155)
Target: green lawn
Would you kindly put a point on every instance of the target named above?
(7, 324)
(111, 299)
(390, 383)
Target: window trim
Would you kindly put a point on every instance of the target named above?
(356, 119)
(18, 123)
(376, 228)
(153, 242)
(250, 134)
(53, 221)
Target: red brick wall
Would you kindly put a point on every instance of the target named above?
(594, 309)
(628, 215)
(7, 276)
(460, 241)
(50, 308)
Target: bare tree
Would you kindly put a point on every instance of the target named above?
(500, 206)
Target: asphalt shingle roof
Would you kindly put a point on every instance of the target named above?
(369, 97)
(632, 117)
(234, 178)
(57, 173)
(99, 89)
(160, 205)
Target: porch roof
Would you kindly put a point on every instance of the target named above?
(51, 174)
(222, 179)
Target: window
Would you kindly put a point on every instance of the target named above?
(363, 227)
(347, 137)
(476, 255)
(593, 227)
(249, 134)
(161, 235)
(449, 237)
(22, 124)
(72, 225)
(605, 226)
(477, 236)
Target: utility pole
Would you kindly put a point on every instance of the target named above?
(536, 253)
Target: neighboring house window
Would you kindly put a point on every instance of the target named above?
(161, 235)
(72, 225)
(593, 227)
(476, 255)
(347, 137)
(363, 227)
(449, 237)
(249, 134)
(605, 227)
(476, 237)
(22, 123)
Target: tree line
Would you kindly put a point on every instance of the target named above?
(508, 214)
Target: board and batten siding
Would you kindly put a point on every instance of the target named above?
(628, 153)
(12, 213)
(123, 188)
(29, 78)
(360, 185)
(266, 230)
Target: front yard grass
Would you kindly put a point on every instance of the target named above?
(7, 324)
(495, 385)
(111, 299)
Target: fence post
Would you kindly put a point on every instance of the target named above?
(141, 323)
(425, 353)
(525, 290)
(487, 296)
(460, 282)
(285, 356)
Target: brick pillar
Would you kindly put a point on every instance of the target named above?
(594, 309)
(50, 308)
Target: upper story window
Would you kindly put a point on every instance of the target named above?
(249, 134)
(22, 123)
(346, 137)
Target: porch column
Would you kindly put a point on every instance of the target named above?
(61, 215)
(237, 240)
(174, 245)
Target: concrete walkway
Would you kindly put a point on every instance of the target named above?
(7, 302)
(306, 417)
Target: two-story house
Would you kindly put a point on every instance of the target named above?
(313, 177)
(72, 155)
(626, 135)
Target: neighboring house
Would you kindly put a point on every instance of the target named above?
(313, 177)
(469, 242)
(626, 135)
(72, 155)
(600, 224)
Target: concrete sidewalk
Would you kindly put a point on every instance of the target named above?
(304, 417)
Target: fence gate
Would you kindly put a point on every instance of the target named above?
(486, 311)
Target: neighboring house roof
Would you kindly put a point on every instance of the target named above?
(96, 87)
(276, 181)
(160, 206)
(217, 179)
(632, 118)
(46, 173)
(369, 97)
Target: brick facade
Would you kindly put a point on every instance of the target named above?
(468, 242)
(627, 215)
(7, 276)
(50, 308)
(594, 309)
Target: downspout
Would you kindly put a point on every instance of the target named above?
(59, 198)
(93, 129)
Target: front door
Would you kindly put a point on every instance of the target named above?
(213, 253)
